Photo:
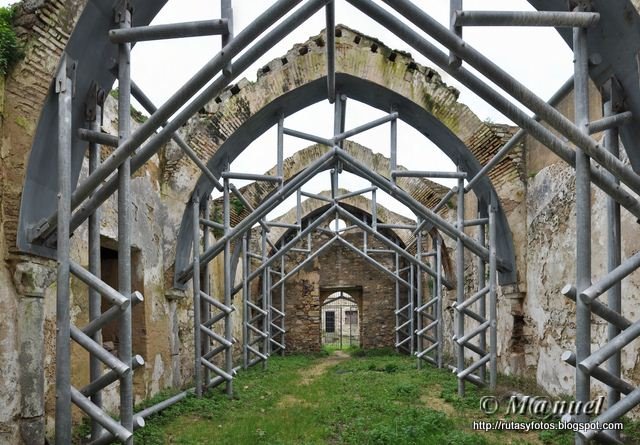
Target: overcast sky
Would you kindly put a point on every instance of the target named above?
(538, 57)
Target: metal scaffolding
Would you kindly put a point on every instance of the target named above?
(419, 323)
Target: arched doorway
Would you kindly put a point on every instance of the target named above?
(340, 321)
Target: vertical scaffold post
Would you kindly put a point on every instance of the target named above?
(583, 219)
(228, 285)
(265, 328)
(269, 316)
(418, 314)
(397, 311)
(331, 50)
(197, 307)
(410, 312)
(454, 6)
(438, 294)
(493, 303)
(374, 212)
(125, 349)
(459, 315)
(280, 151)
(340, 116)
(482, 310)
(64, 89)
(205, 284)
(614, 248)
(282, 307)
(226, 10)
(95, 299)
(394, 145)
(245, 299)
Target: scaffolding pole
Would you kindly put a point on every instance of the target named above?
(197, 306)
(459, 315)
(125, 349)
(64, 90)
(419, 314)
(438, 296)
(95, 299)
(583, 221)
(557, 145)
(493, 297)
(482, 311)
(228, 285)
(614, 250)
(205, 284)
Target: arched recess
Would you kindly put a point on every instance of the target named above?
(366, 71)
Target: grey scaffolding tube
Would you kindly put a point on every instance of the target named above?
(620, 331)
(492, 97)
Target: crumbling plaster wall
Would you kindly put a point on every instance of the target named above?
(44, 27)
(27, 295)
(148, 213)
(549, 316)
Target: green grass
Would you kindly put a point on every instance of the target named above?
(332, 347)
(371, 397)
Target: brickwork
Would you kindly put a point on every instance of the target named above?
(44, 29)
(339, 267)
(359, 56)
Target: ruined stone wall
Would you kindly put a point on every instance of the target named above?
(154, 335)
(335, 268)
(535, 323)
(43, 27)
(163, 322)
(546, 322)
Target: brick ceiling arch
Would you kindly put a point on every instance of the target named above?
(423, 190)
(361, 205)
(367, 71)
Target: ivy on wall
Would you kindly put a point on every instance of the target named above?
(10, 48)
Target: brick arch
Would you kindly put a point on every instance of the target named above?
(367, 71)
(423, 190)
(427, 192)
(362, 205)
(358, 205)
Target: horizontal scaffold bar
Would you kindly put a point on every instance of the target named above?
(557, 19)
(170, 31)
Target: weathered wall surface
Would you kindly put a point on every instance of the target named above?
(550, 317)
(27, 297)
(44, 27)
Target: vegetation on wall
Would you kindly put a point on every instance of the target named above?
(137, 115)
(10, 48)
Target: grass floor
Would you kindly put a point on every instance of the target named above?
(335, 399)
